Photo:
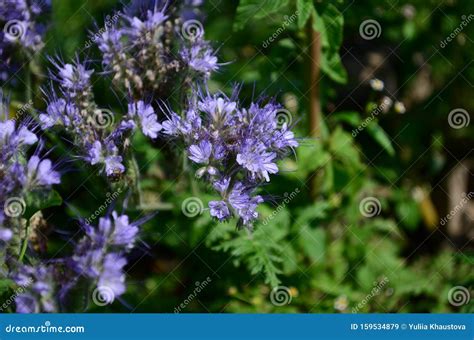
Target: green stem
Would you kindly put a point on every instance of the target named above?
(138, 188)
(24, 246)
(29, 86)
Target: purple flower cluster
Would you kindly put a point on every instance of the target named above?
(99, 256)
(237, 149)
(98, 259)
(20, 31)
(150, 49)
(19, 174)
(38, 287)
(101, 135)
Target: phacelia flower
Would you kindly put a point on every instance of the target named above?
(147, 118)
(239, 148)
(38, 289)
(100, 254)
(148, 50)
(101, 135)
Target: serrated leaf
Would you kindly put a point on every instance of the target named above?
(256, 9)
(261, 251)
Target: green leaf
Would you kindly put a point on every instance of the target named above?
(408, 213)
(313, 243)
(328, 178)
(256, 9)
(304, 8)
(5, 285)
(329, 21)
(311, 156)
(36, 201)
(350, 117)
(331, 65)
(380, 137)
(263, 250)
(315, 212)
(342, 147)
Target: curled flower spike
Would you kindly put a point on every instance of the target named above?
(101, 135)
(148, 50)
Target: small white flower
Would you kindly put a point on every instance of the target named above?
(399, 107)
(376, 84)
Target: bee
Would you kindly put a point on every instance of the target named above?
(116, 175)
